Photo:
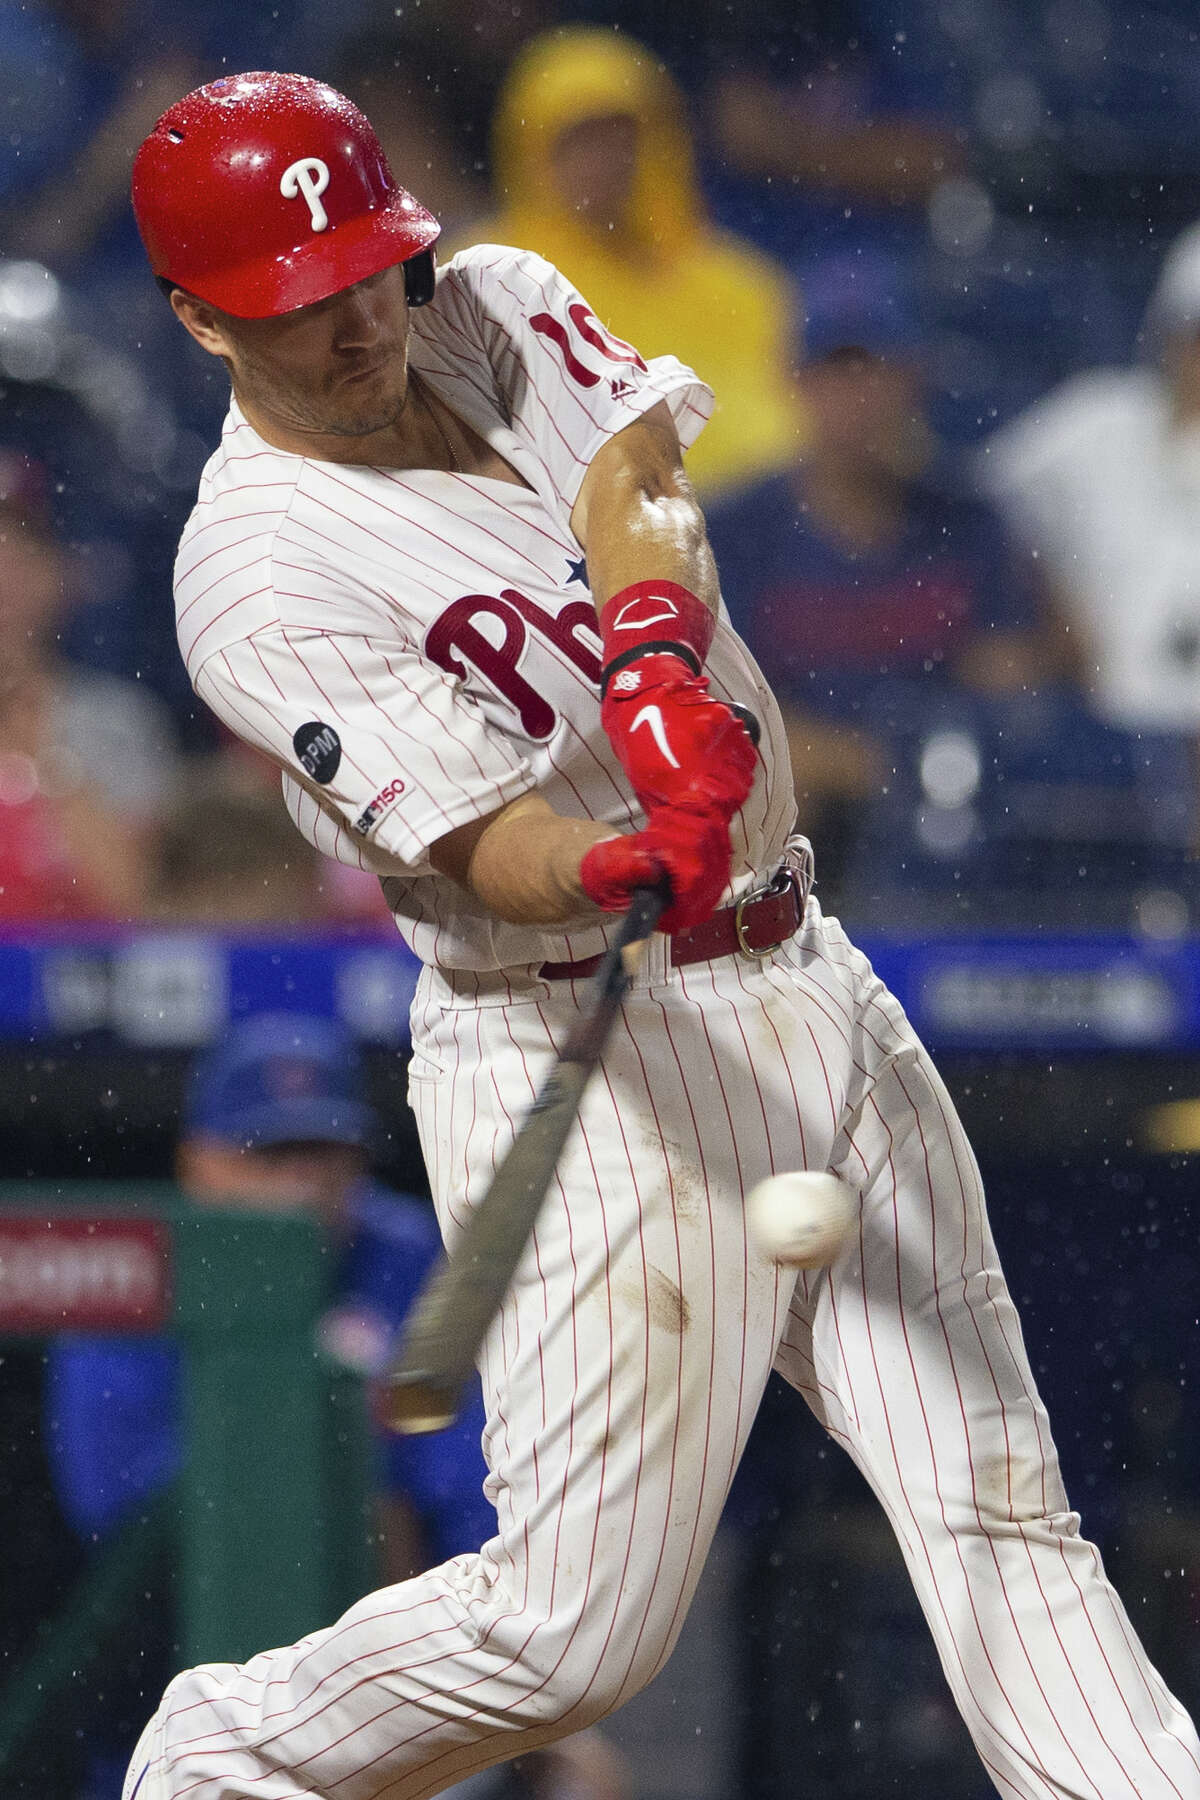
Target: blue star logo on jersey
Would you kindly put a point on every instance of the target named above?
(578, 568)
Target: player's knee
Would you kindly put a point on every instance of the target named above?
(1017, 1494)
(583, 1682)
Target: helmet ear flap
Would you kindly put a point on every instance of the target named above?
(419, 277)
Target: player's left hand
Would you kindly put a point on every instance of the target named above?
(678, 745)
(688, 851)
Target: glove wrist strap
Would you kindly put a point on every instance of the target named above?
(656, 647)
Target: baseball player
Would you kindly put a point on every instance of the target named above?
(446, 571)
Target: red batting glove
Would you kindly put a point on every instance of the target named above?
(690, 851)
(678, 746)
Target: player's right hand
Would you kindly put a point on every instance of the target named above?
(688, 850)
(678, 745)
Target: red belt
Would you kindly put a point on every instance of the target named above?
(755, 925)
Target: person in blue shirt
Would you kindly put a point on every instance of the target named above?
(863, 581)
(275, 1119)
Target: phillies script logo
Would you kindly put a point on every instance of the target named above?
(454, 640)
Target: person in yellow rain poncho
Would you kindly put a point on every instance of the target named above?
(593, 170)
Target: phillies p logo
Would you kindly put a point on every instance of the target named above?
(308, 176)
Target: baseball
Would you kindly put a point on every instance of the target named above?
(802, 1218)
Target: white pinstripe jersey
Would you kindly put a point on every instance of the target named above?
(415, 648)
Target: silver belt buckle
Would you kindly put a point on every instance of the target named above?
(781, 879)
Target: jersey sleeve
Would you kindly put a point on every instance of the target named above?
(381, 752)
(567, 383)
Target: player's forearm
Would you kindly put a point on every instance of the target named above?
(640, 534)
(523, 861)
(637, 517)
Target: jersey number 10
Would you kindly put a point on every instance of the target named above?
(589, 328)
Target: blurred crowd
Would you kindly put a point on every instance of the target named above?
(938, 262)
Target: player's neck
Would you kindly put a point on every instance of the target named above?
(388, 448)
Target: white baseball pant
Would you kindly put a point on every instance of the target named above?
(621, 1380)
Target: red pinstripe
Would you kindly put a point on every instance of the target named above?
(336, 712)
(921, 1539)
(455, 372)
(357, 525)
(1016, 1361)
(742, 1184)
(674, 1451)
(609, 1390)
(262, 665)
(553, 303)
(565, 543)
(194, 526)
(448, 317)
(1155, 1688)
(256, 456)
(423, 706)
(464, 1688)
(456, 1218)
(413, 523)
(326, 699)
(1067, 1744)
(224, 612)
(712, 1261)
(182, 575)
(251, 732)
(506, 545)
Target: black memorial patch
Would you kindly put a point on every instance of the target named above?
(320, 750)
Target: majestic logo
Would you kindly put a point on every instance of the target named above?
(652, 716)
(319, 749)
(370, 815)
(310, 177)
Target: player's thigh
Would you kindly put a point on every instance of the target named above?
(626, 1364)
(909, 1346)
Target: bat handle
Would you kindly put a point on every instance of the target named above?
(645, 910)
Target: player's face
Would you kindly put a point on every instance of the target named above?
(336, 369)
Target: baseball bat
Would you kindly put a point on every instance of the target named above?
(463, 1293)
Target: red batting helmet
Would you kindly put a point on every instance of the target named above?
(263, 192)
